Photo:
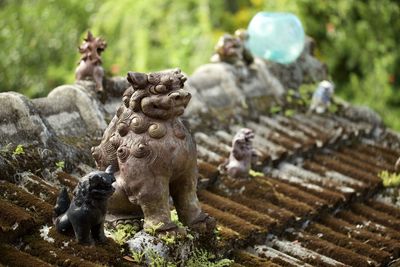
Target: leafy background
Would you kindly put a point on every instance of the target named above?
(39, 38)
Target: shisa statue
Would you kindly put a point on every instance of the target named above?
(154, 153)
(89, 66)
(322, 97)
(231, 49)
(86, 213)
(242, 153)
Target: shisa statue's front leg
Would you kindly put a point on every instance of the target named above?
(184, 194)
(153, 198)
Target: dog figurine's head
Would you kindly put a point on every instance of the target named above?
(96, 185)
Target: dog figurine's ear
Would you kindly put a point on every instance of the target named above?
(138, 80)
(110, 170)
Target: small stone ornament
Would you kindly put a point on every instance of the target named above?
(89, 66)
(86, 212)
(241, 155)
(321, 99)
(230, 49)
(154, 153)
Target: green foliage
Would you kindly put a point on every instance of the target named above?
(254, 173)
(204, 258)
(217, 232)
(156, 260)
(138, 256)
(169, 34)
(306, 91)
(175, 218)
(38, 41)
(389, 179)
(123, 232)
(19, 150)
(60, 165)
(358, 40)
(152, 229)
(289, 112)
(275, 109)
(168, 239)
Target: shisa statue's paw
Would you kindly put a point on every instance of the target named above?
(204, 223)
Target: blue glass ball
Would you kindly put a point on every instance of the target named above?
(278, 37)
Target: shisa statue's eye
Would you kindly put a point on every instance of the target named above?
(123, 153)
(161, 89)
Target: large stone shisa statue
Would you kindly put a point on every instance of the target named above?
(154, 153)
(90, 62)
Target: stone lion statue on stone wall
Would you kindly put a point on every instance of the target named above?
(154, 153)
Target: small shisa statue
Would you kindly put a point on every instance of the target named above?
(231, 49)
(322, 97)
(154, 153)
(89, 66)
(86, 213)
(242, 153)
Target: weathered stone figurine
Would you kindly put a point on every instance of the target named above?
(90, 63)
(154, 152)
(241, 155)
(322, 97)
(86, 213)
(230, 49)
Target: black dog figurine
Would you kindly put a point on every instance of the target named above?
(86, 213)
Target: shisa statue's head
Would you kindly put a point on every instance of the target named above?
(150, 100)
(158, 95)
(242, 34)
(243, 141)
(91, 48)
(229, 48)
